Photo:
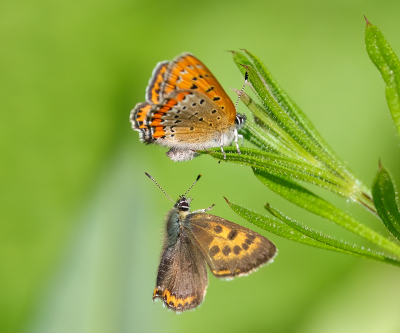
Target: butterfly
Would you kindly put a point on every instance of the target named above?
(193, 240)
(186, 109)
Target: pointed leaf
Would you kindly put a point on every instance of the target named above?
(313, 203)
(388, 65)
(291, 118)
(281, 165)
(277, 227)
(384, 193)
(338, 244)
(281, 229)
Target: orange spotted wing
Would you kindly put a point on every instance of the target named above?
(229, 249)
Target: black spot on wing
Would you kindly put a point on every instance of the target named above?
(226, 250)
(248, 241)
(214, 250)
(236, 249)
(218, 229)
(232, 235)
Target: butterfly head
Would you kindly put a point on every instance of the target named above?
(240, 120)
(183, 203)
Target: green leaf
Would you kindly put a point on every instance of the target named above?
(278, 137)
(288, 115)
(281, 165)
(281, 229)
(338, 244)
(384, 194)
(388, 65)
(304, 198)
(287, 131)
(276, 227)
(293, 111)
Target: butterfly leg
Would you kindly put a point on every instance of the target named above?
(241, 138)
(204, 210)
(237, 136)
(222, 150)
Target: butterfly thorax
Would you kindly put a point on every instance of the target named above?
(175, 218)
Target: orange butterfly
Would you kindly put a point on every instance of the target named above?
(186, 109)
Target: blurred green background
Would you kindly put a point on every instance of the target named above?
(81, 225)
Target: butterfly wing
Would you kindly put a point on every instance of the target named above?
(229, 249)
(182, 276)
(186, 72)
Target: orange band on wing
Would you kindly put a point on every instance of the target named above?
(159, 132)
(154, 88)
(156, 122)
(141, 115)
(172, 301)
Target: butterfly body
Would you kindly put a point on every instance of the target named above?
(194, 240)
(186, 109)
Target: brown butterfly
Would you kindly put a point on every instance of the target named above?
(186, 109)
(193, 239)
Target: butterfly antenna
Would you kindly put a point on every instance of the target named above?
(159, 186)
(198, 177)
(246, 76)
